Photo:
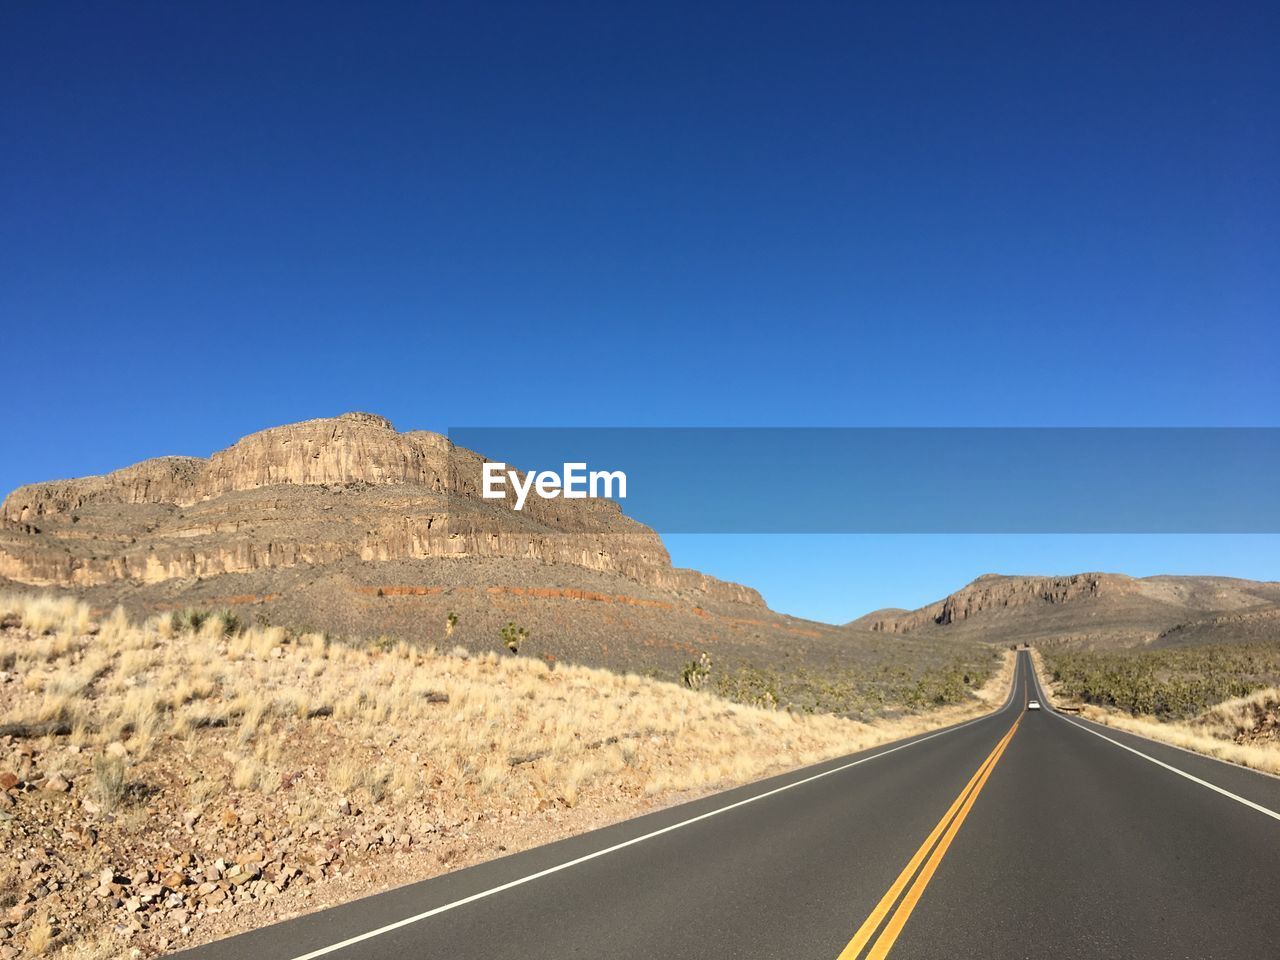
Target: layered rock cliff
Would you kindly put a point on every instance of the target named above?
(993, 592)
(314, 493)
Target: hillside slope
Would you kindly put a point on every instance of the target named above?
(346, 526)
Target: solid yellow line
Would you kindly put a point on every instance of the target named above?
(868, 928)
(890, 934)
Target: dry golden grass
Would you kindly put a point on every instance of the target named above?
(476, 718)
(1222, 731)
(39, 937)
(225, 728)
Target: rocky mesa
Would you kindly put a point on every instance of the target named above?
(314, 493)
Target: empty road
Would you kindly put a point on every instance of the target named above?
(1021, 834)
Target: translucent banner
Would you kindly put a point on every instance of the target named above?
(892, 480)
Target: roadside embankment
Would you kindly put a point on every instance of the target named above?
(170, 782)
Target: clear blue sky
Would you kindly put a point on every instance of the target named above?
(220, 217)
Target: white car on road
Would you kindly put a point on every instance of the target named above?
(1033, 704)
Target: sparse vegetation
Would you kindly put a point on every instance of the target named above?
(1173, 683)
(862, 691)
(749, 685)
(512, 636)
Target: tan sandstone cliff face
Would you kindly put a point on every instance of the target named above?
(313, 493)
(353, 448)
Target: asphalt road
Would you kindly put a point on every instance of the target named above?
(1022, 834)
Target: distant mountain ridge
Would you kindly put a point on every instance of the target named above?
(1095, 609)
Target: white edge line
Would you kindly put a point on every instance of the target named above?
(1160, 763)
(388, 928)
(1230, 764)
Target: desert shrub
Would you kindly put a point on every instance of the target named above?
(512, 636)
(750, 685)
(191, 620)
(109, 780)
(695, 672)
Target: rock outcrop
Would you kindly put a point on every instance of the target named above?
(994, 592)
(314, 493)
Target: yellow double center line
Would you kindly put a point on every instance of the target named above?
(930, 854)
